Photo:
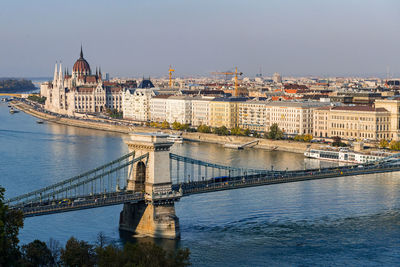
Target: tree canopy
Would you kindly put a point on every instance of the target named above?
(274, 132)
(10, 223)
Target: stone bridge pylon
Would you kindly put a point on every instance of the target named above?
(155, 216)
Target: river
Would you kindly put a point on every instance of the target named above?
(340, 221)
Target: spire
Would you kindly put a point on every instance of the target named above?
(55, 72)
(81, 55)
(60, 75)
(97, 73)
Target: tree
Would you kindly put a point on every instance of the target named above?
(307, 137)
(37, 253)
(246, 132)
(78, 253)
(337, 141)
(165, 125)
(11, 221)
(204, 129)
(221, 130)
(394, 145)
(176, 125)
(237, 131)
(274, 132)
(383, 143)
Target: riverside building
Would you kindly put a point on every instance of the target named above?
(393, 106)
(352, 122)
(81, 91)
(201, 111)
(224, 111)
(136, 101)
(253, 115)
(293, 118)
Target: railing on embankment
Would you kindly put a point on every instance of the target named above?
(198, 187)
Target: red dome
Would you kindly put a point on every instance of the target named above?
(81, 65)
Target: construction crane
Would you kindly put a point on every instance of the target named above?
(170, 75)
(236, 73)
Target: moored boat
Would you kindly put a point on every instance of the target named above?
(344, 155)
(175, 138)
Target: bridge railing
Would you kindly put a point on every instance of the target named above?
(108, 178)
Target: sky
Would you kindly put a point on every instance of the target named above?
(134, 38)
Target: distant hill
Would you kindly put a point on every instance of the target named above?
(15, 85)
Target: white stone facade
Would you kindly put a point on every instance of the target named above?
(136, 104)
(201, 111)
(158, 108)
(179, 109)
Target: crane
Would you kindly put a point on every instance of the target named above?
(170, 75)
(236, 73)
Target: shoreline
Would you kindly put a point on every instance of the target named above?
(266, 144)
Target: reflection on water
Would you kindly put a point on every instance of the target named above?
(346, 220)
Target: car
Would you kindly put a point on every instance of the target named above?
(65, 201)
(79, 199)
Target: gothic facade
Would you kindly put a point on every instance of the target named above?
(81, 91)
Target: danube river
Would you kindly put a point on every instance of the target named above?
(340, 221)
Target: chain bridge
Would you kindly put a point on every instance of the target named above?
(149, 180)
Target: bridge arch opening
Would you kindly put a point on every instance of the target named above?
(140, 176)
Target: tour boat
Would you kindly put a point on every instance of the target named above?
(12, 111)
(39, 121)
(175, 138)
(343, 155)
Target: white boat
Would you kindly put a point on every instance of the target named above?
(343, 155)
(175, 138)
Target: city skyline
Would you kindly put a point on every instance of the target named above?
(133, 39)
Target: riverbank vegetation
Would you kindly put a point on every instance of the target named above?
(77, 252)
(37, 98)
(9, 85)
(393, 145)
(113, 113)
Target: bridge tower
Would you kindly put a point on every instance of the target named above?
(156, 215)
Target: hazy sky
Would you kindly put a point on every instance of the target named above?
(135, 38)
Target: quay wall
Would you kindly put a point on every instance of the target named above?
(278, 145)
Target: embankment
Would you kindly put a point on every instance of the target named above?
(278, 145)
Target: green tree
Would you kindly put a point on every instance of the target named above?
(38, 99)
(78, 253)
(176, 125)
(274, 132)
(37, 253)
(110, 255)
(307, 137)
(165, 125)
(246, 132)
(11, 221)
(204, 129)
(337, 141)
(383, 143)
(184, 127)
(394, 145)
(221, 130)
(237, 131)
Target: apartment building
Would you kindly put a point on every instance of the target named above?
(179, 109)
(201, 111)
(224, 111)
(292, 117)
(158, 108)
(393, 106)
(352, 122)
(253, 115)
(136, 103)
